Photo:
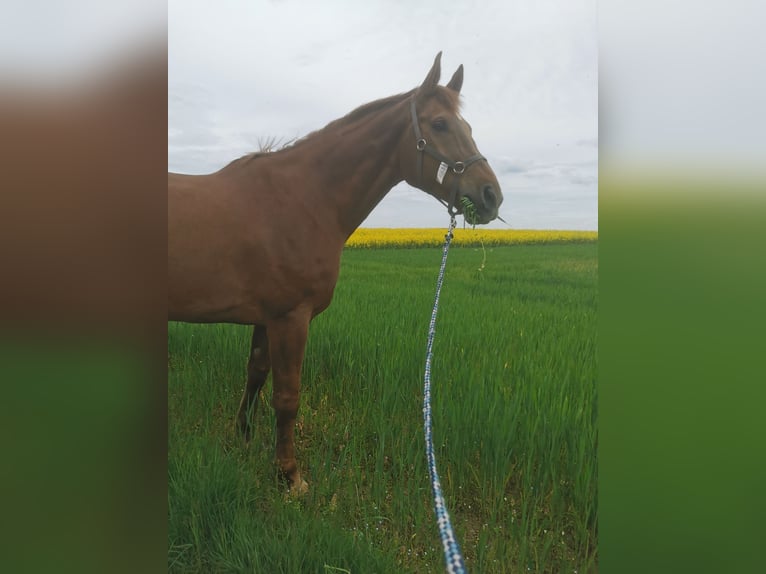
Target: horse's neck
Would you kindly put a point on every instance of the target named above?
(355, 164)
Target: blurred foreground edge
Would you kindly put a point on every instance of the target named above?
(83, 327)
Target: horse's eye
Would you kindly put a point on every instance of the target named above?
(439, 124)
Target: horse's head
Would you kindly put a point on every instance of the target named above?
(439, 155)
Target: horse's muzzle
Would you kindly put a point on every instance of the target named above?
(490, 197)
(486, 200)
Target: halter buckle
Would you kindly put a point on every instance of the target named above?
(459, 167)
(421, 145)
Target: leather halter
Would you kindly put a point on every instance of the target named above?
(458, 167)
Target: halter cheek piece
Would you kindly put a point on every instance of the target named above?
(458, 167)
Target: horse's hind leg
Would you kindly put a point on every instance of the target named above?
(258, 366)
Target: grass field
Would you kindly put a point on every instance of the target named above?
(514, 411)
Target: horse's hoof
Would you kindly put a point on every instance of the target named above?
(298, 488)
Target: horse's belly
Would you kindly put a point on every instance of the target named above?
(211, 297)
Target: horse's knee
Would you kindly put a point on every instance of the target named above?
(285, 403)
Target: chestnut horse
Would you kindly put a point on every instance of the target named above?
(259, 241)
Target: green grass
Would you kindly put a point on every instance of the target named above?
(514, 411)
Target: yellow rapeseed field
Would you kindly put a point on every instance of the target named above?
(434, 237)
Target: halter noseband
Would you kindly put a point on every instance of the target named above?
(458, 167)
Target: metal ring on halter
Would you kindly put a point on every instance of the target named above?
(459, 167)
(421, 145)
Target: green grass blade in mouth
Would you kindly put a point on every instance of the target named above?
(469, 211)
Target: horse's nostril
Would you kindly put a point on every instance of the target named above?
(490, 198)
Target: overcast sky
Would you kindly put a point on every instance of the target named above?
(241, 72)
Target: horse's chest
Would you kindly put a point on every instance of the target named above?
(289, 284)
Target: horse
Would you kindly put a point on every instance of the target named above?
(259, 242)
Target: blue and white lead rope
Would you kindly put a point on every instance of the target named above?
(452, 554)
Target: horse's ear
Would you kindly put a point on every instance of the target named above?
(432, 79)
(457, 80)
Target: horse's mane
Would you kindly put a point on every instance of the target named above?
(446, 97)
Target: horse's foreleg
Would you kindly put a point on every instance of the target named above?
(258, 366)
(287, 344)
